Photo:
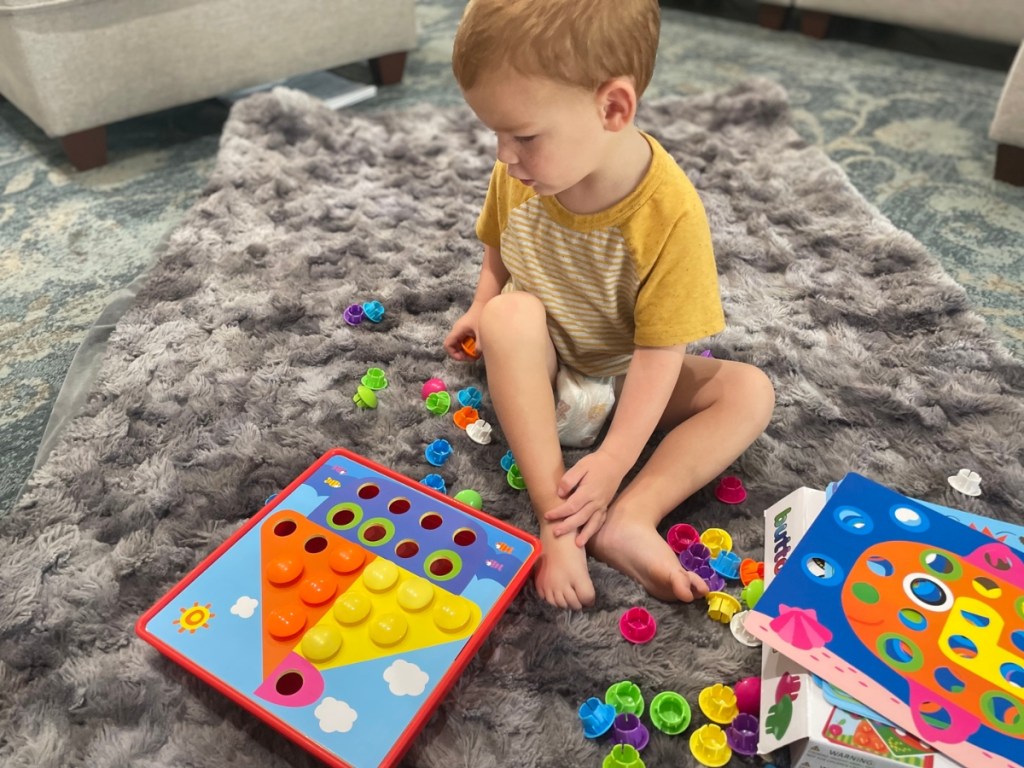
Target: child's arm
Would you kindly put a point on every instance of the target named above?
(493, 276)
(592, 483)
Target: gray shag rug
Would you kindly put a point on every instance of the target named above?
(235, 370)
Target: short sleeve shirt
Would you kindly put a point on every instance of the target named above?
(641, 273)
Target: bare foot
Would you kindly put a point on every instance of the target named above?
(635, 548)
(561, 575)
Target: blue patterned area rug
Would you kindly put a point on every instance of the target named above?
(234, 369)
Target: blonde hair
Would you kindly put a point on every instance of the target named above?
(584, 43)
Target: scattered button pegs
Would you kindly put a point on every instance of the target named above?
(752, 592)
(373, 311)
(515, 478)
(596, 716)
(966, 481)
(748, 695)
(436, 482)
(365, 397)
(722, 606)
(709, 745)
(715, 582)
(716, 540)
(682, 535)
(470, 498)
(479, 432)
(694, 556)
(354, 314)
(751, 569)
(740, 632)
(670, 713)
(637, 625)
(623, 756)
(430, 386)
(507, 461)
(438, 403)
(727, 564)
(465, 416)
(375, 379)
(438, 452)
(470, 396)
(625, 696)
(730, 490)
(741, 735)
(718, 702)
(627, 729)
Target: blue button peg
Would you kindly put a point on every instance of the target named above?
(374, 311)
(436, 482)
(597, 717)
(507, 461)
(470, 397)
(438, 452)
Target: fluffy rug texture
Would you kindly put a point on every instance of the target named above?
(235, 370)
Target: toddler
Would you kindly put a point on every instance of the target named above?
(597, 272)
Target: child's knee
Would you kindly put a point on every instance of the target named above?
(514, 312)
(757, 389)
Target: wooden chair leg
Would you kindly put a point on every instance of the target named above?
(814, 24)
(772, 16)
(1010, 164)
(388, 69)
(86, 149)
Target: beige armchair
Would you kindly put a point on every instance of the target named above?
(1001, 21)
(1008, 126)
(73, 66)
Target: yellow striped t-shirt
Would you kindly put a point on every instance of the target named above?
(641, 273)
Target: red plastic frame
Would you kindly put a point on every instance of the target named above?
(440, 691)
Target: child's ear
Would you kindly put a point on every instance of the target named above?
(617, 102)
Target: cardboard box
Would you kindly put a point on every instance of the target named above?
(818, 734)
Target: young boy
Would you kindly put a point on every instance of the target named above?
(597, 271)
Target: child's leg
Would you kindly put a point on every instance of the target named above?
(521, 366)
(718, 408)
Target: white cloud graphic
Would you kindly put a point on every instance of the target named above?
(245, 607)
(405, 679)
(335, 716)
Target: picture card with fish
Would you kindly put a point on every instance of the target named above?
(915, 615)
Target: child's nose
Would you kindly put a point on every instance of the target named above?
(506, 154)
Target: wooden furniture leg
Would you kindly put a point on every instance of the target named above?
(86, 149)
(388, 69)
(771, 16)
(1010, 164)
(814, 24)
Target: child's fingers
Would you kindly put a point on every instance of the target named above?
(452, 345)
(577, 520)
(698, 586)
(592, 526)
(562, 511)
(569, 481)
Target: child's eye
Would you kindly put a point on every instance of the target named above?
(525, 139)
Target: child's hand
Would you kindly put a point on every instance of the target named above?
(465, 328)
(588, 488)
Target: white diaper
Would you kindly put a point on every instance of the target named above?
(582, 405)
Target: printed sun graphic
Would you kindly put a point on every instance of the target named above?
(193, 618)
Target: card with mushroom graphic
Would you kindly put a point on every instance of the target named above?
(918, 617)
(346, 608)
